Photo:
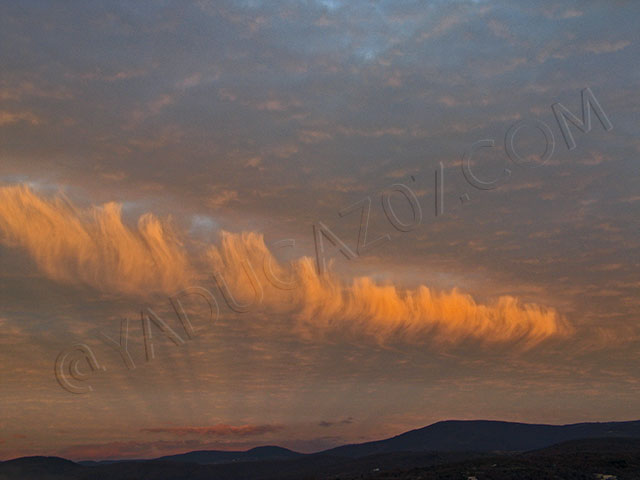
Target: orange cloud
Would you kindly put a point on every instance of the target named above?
(325, 304)
(93, 246)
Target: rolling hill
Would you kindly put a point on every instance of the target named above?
(449, 449)
(487, 436)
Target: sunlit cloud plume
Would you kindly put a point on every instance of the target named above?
(325, 304)
(93, 246)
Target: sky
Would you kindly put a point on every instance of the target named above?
(226, 224)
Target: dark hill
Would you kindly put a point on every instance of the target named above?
(204, 457)
(614, 458)
(39, 467)
(487, 436)
(445, 450)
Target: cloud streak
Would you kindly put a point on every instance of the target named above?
(93, 246)
(323, 305)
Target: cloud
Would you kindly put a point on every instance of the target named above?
(93, 246)
(326, 424)
(323, 305)
(20, 88)
(607, 46)
(444, 25)
(217, 430)
(7, 118)
(555, 13)
(10, 333)
(114, 76)
(221, 197)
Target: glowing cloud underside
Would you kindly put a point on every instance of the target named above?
(94, 247)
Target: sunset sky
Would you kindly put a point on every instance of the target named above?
(228, 149)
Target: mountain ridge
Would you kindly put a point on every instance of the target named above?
(579, 459)
(488, 435)
(442, 436)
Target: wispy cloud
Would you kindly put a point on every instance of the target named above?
(93, 246)
(344, 421)
(607, 46)
(324, 305)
